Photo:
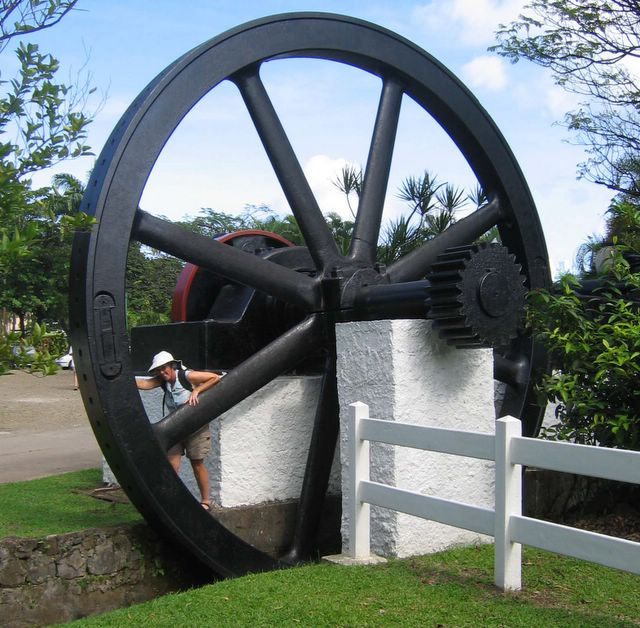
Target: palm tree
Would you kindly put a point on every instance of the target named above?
(398, 238)
(349, 182)
(66, 194)
(421, 194)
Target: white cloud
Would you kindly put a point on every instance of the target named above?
(558, 101)
(473, 21)
(321, 171)
(570, 213)
(485, 72)
(114, 107)
(632, 65)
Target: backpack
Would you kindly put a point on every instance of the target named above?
(182, 378)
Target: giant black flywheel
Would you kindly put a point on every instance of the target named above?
(341, 287)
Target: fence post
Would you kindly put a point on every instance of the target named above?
(358, 457)
(508, 501)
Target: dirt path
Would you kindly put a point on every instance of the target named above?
(44, 429)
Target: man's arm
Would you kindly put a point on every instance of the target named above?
(201, 381)
(147, 383)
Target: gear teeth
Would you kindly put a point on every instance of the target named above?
(476, 295)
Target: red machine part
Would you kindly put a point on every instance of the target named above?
(185, 280)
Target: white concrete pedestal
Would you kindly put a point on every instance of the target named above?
(259, 448)
(405, 373)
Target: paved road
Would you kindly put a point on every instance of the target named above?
(44, 429)
(28, 456)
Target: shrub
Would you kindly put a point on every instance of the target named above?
(593, 342)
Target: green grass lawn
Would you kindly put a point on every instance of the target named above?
(58, 504)
(453, 588)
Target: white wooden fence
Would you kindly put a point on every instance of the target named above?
(510, 450)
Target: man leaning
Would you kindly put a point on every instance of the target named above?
(183, 386)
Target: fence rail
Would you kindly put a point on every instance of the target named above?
(510, 450)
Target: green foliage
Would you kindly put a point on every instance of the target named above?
(34, 276)
(622, 234)
(341, 231)
(212, 223)
(590, 48)
(34, 351)
(399, 237)
(594, 345)
(623, 223)
(349, 182)
(594, 341)
(420, 194)
(42, 122)
(264, 218)
(20, 17)
(432, 210)
(150, 280)
(15, 245)
(37, 109)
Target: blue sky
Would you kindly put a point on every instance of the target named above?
(215, 160)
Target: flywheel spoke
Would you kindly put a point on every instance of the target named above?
(415, 265)
(319, 460)
(294, 184)
(376, 176)
(279, 356)
(283, 283)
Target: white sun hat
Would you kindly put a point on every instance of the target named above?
(162, 358)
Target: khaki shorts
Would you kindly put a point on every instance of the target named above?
(196, 446)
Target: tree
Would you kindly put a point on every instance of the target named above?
(42, 122)
(212, 223)
(621, 238)
(150, 280)
(264, 218)
(19, 17)
(589, 326)
(349, 182)
(432, 210)
(594, 345)
(591, 48)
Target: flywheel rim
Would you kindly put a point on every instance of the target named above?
(97, 309)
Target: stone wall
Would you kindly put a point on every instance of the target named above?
(64, 577)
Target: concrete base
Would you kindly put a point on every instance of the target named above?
(405, 373)
(269, 526)
(259, 448)
(347, 561)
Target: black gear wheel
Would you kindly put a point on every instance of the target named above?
(341, 288)
(477, 296)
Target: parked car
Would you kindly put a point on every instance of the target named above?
(22, 352)
(65, 361)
